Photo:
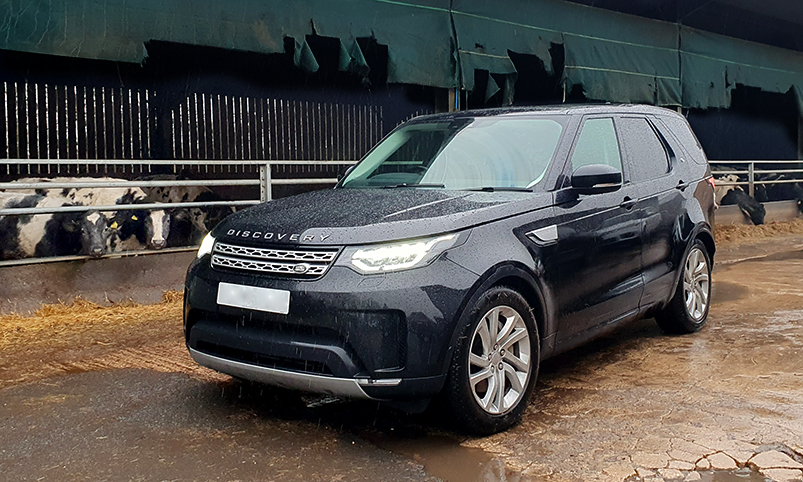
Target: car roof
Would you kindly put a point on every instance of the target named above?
(565, 109)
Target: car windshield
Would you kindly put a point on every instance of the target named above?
(472, 153)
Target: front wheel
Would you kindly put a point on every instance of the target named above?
(687, 311)
(495, 364)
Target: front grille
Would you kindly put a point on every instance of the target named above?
(295, 263)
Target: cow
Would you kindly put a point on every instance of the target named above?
(151, 227)
(45, 235)
(749, 206)
(720, 191)
(202, 219)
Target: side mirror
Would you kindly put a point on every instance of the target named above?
(596, 179)
(348, 171)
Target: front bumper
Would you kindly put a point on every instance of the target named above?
(384, 336)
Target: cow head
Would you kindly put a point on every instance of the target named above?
(159, 224)
(92, 228)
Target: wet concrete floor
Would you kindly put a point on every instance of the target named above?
(129, 404)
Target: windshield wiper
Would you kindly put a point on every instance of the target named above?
(501, 188)
(404, 184)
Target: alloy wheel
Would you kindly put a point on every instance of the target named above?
(499, 360)
(696, 284)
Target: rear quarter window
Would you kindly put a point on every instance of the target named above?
(683, 133)
(645, 151)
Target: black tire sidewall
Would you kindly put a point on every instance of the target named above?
(466, 413)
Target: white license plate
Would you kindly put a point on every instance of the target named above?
(253, 298)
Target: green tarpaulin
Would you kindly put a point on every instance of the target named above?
(612, 56)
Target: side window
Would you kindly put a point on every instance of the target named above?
(646, 152)
(597, 145)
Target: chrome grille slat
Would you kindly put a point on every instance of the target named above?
(276, 261)
(264, 266)
(276, 254)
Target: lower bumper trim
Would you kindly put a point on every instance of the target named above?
(343, 387)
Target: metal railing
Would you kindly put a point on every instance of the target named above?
(265, 182)
(750, 172)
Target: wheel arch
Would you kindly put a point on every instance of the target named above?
(703, 233)
(516, 277)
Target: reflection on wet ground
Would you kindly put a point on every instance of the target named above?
(634, 405)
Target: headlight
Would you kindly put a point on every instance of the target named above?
(398, 256)
(206, 245)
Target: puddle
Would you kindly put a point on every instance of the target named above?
(724, 292)
(444, 458)
(785, 256)
(739, 475)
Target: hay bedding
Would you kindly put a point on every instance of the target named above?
(737, 233)
(65, 324)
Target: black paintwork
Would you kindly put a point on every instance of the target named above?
(617, 258)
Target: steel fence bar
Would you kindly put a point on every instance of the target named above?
(162, 162)
(123, 184)
(305, 181)
(122, 207)
(122, 254)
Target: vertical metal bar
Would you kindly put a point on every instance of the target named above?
(265, 188)
(140, 132)
(86, 129)
(103, 122)
(67, 127)
(5, 113)
(261, 104)
(282, 139)
(234, 126)
(197, 128)
(77, 135)
(247, 120)
(224, 129)
(751, 178)
(148, 121)
(212, 126)
(27, 128)
(131, 126)
(274, 129)
(47, 126)
(34, 131)
(180, 128)
(17, 115)
(95, 122)
(298, 133)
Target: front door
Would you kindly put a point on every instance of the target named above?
(596, 266)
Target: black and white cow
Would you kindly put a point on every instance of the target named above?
(749, 206)
(151, 227)
(201, 219)
(45, 235)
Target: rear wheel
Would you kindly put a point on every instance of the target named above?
(687, 312)
(495, 364)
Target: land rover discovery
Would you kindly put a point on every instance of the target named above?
(459, 253)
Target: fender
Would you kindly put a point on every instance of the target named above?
(701, 228)
(544, 319)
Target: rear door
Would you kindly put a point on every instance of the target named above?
(650, 161)
(595, 268)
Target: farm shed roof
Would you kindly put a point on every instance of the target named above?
(615, 56)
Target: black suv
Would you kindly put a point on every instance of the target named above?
(460, 252)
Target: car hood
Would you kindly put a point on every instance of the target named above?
(359, 216)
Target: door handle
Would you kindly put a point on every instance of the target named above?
(628, 203)
(682, 185)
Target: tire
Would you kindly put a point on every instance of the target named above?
(478, 407)
(687, 311)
